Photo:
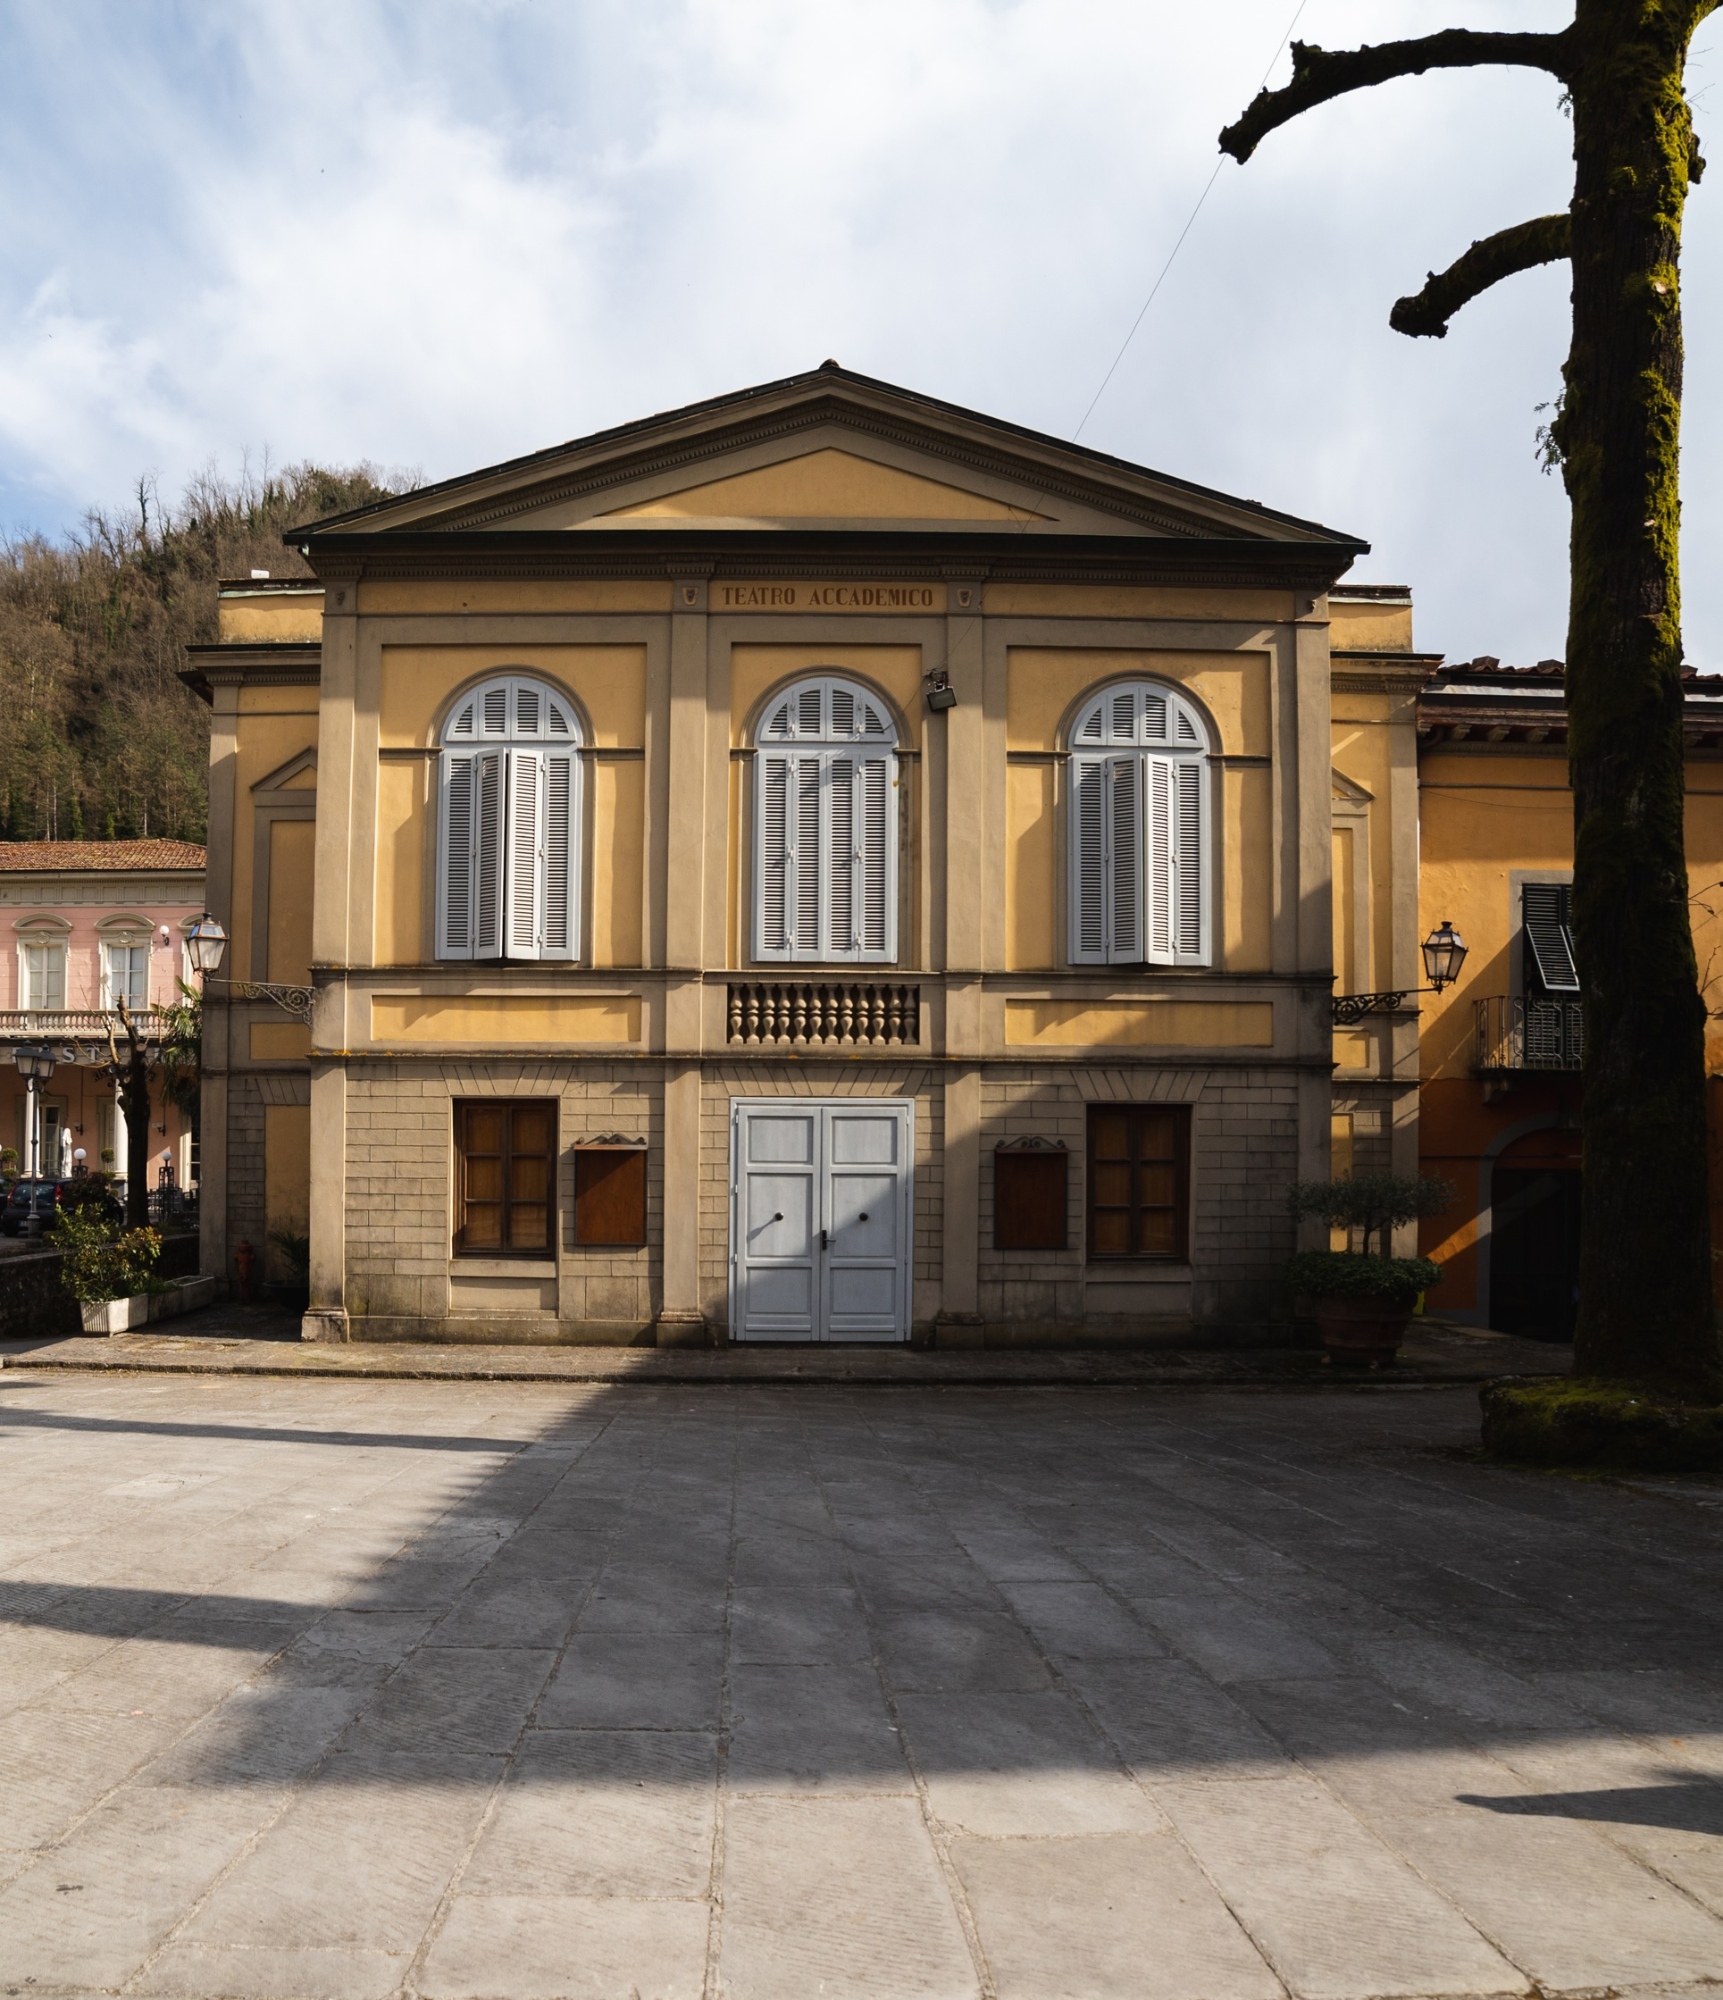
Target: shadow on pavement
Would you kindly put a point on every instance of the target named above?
(1028, 1649)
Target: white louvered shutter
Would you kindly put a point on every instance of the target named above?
(489, 777)
(843, 857)
(876, 848)
(1545, 908)
(825, 827)
(804, 869)
(455, 900)
(559, 898)
(1176, 862)
(1124, 835)
(1088, 860)
(772, 847)
(525, 848)
(1190, 900)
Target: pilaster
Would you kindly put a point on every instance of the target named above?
(687, 860)
(326, 1319)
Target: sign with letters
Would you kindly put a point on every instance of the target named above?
(911, 598)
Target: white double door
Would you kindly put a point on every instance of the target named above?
(820, 1234)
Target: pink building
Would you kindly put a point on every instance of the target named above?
(91, 923)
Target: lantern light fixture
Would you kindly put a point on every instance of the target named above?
(205, 943)
(35, 1065)
(1444, 954)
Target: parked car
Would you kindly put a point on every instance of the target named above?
(32, 1205)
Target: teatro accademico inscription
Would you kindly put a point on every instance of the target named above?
(828, 597)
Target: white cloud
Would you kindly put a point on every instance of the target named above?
(440, 234)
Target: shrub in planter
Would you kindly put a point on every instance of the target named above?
(1344, 1274)
(102, 1263)
(293, 1252)
(1361, 1301)
(92, 1194)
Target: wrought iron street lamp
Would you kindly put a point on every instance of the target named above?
(205, 943)
(35, 1066)
(1444, 953)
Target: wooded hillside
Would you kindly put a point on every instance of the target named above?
(99, 740)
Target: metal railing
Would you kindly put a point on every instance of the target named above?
(1515, 1034)
(763, 1011)
(173, 1207)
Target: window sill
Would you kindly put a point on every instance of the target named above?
(1128, 1267)
(530, 1265)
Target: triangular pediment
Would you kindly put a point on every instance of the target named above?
(828, 451)
(825, 485)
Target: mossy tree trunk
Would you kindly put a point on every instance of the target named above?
(132, 1085)
(1645, 1308)
(1645, 1261)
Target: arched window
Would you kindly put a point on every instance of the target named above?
(1140, 889)
(508, 878)
(825, 826)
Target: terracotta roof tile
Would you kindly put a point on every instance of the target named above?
(1486, 668)
(39, 857)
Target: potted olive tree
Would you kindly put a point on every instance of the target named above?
(1361, 1299)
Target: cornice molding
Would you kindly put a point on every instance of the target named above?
(655, 555)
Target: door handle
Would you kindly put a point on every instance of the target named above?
(825, 1240)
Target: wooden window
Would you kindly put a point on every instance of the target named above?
(610, 1194)
(1029, 1196)
(1139, 1180)
(505, 1168)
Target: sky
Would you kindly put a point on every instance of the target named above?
(434, 234)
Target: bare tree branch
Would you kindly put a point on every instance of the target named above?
(1545, 240)
(1319, 74)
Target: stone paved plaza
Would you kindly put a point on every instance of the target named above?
(331, 1688)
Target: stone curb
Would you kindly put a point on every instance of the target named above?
(1268, 1369)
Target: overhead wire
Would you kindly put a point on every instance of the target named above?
(1179, 244)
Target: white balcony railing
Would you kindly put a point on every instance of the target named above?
(862, 1014)
(43, 1024)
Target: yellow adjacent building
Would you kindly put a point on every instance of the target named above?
(816, 865)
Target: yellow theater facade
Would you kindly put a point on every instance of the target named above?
(816, 865)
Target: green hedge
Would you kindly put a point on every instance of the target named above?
(1346, 1274)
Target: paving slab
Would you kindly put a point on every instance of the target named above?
(1129, 1913)
(397, 1688)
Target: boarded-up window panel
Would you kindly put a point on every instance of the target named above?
(1029, 1200)
(505, 1159)
(610, 1195)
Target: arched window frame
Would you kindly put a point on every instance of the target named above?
(825, 787)
(509, 859)
(1140, 829)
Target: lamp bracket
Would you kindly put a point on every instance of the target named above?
(1352, 1007)
(294, 1000)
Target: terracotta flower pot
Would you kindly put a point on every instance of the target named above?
(1362, 1330)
